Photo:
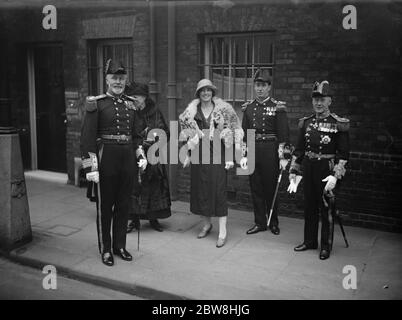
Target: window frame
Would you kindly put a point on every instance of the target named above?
(95, 50)
(206, 66)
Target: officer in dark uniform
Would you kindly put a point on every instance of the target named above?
(269, 119)
(109, 151)
(323, 150)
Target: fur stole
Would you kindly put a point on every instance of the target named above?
(223, 118)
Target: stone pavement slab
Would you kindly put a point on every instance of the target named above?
(21, 282)
(174, 264)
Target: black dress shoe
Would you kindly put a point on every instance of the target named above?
(155, 225)
(124, 254)
(275, 230)
(324, 254)
(256, 228)
(304, 247)
(107, 259)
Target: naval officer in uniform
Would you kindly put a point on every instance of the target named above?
(268, 117)
(109, 151)
(322, 151)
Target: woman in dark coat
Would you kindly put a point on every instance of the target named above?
(208, 181)
(151, 196)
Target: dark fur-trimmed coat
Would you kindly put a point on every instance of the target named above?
(151, 196)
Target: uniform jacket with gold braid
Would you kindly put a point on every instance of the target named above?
(322, 138)
(106, 115)
(223, 118)
(267, 118)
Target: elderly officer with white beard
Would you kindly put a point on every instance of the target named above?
(109, 150)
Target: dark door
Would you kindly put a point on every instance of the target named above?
(50, 108)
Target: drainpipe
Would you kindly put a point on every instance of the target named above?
(153, 86)
(171, 87)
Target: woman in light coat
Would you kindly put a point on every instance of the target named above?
(209, 181)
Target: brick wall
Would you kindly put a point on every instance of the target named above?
(369, 195)
(363, 67)
(73, 36)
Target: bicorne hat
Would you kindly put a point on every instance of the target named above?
(321, 89)
(114, 67)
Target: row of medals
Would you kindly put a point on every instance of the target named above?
(270, 111)
(325, 127)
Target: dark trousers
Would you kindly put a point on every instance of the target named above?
(314, 172)
(116, 183)
(263, 182)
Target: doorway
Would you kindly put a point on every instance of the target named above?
(47, 108)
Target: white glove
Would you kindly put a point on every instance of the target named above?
(187, 161)
(229, 165)
(283, 163)
(93, 176)
(193, 142)
(294, 182)
(243, 163)
(331, 183)
(142, 163)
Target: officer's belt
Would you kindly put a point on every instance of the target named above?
(313, 155)
(113, 138)
(262, 137)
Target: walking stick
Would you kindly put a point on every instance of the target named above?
(94, 195)
(274, 198)
(286, 155)
(98, 217)
(343, 231)
(139, 226)
(334, 213)
(138, 240)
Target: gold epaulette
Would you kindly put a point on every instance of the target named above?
(301, 121)
(94, 98)
(91, 105)
(245, 105)
(279, 105)
(338, 118)
(278, 102)
(343, 124)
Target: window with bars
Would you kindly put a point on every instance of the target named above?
(98, 53)
(231, 60)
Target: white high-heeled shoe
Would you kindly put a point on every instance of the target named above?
(221, 242)
(204, 232)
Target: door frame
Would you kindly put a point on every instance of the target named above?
(32, 107)
(32, 98)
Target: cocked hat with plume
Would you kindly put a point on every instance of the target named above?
(321, 89)
(114, 67)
